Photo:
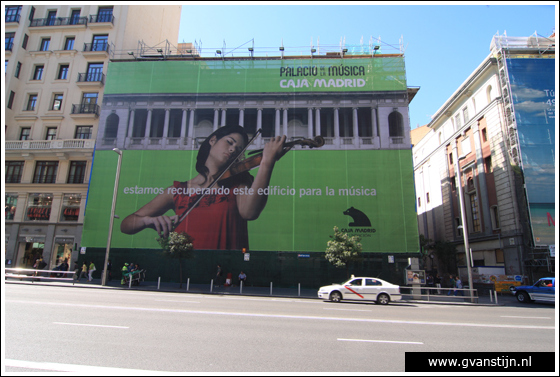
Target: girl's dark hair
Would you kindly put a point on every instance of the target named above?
(204, 149)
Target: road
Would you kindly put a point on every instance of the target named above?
(113, 331)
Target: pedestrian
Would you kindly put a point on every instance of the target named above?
(451, 284)
(124, 271)
(459, 285)
(91, 270)
(84, 272)
(437, 281)
(242, 277)
(218, 275)
(109, 275)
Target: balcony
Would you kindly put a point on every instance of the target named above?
(101, 21)
(96, 49)
(26, 145)
(96, 79)
(66, 22)
(85, 109)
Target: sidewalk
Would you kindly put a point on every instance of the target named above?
(503, 299)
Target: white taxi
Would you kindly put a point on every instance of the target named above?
(361, 288)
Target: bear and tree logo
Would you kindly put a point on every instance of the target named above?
(358, 218)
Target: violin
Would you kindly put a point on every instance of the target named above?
(236, 167)
(254, 161)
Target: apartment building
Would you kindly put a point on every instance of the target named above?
(493, 140)
(55, 71)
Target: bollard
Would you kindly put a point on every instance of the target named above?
(496, 296)
(158, 280)
(211, 285)
(130, 281)
(271, 288)
(490, 296)
(188, 282)
(241, 287)
(298, 289)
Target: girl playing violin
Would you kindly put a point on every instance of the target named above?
(219, 221)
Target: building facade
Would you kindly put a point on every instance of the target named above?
(498, 127)
(56, 66)
(159, 110)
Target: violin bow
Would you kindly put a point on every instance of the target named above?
(230, 164)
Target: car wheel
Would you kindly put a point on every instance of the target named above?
(383, 299)
(523, 297)
(336, 296)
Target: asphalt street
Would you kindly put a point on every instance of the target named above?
(102, 331)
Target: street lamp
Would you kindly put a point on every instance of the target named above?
(463, 218)
(104, 276)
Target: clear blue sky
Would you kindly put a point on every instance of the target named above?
(443, 44)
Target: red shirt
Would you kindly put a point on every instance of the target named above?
(215, 223)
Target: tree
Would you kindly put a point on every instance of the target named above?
(177, 246)
(343, 249)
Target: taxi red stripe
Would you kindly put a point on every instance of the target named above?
(353, 291)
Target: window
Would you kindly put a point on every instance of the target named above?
(75, 17)
(45, 172)
(475, 220)
(419, 202)
(459, 226)
(105, 14)
(11, 99)
(45, 43)
(396, 125)
(39, 207)
(427, 197)
(70, 207)
(77, 172)
(466, 115)
(18, 70)
(94, 72)
(99, 43)
(51, 18)
(9, 41)
(32, 102)
(466, 146)
(12, 13)
(51, 133)
(63, 71)
(57, 102)
(488, 165)
(499, 256)
(14, 170)
(11, 204)
(69, 43)
(25, 40)
(457, 122)
(31, 13)
(83, 132)
(494, 216)
(38, 73)
(89, 100)
(25, 134)
(484, 135)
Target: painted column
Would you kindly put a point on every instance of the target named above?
(310, 123)
(277, 123)
(373, 122)
(336, 128)
(318, 121)
(223, 118)
(285, 122)
(259, 126)
(355, 129)
(216, 118)
(166, 124)
(242, 117)
(131, 123)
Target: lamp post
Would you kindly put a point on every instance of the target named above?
(463, 218)
(104, 276)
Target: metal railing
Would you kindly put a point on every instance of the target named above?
(439, 294)
(50, 144)
(96, 46)
(91, 77)
(97, 18)
(58, 21)
(36, 275)
(85, 108)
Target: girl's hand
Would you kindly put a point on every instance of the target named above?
(273, 150)
(162, 224)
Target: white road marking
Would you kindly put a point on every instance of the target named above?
(285, 316)
(348, 310)
(377, 341)
(188, 302)
(86, 370)
(90, 325)
(515, 316)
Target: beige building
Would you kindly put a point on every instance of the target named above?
(56, 62)
(473, 142)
